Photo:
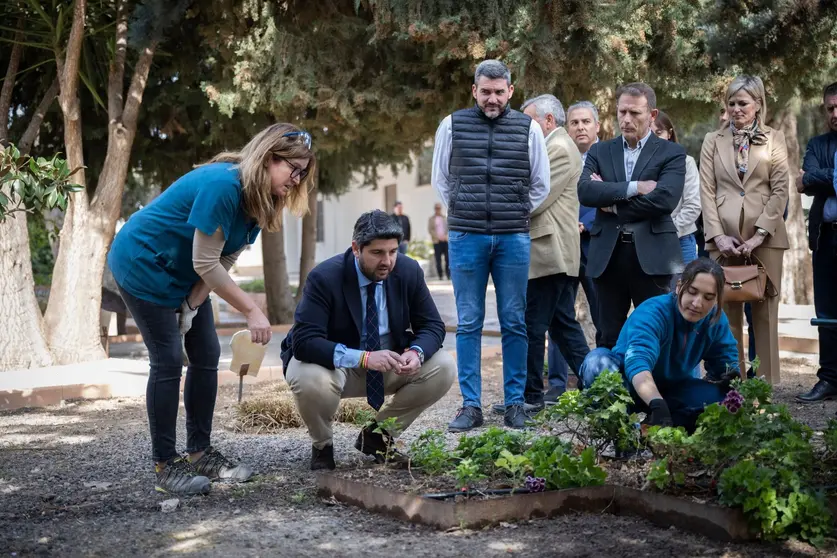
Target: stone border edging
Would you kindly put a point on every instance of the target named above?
(716, 522)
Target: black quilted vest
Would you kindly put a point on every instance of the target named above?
(489, 172)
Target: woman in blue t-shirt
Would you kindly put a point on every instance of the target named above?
(663, 341)
(166, 260)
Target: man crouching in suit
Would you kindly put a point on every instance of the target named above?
(635, 181)
(366, 326)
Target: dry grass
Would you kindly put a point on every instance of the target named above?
(275, 410)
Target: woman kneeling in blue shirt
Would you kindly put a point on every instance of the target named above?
(663, 341)
(167, 259)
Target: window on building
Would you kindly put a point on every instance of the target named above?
(425, 166)
(320, 222)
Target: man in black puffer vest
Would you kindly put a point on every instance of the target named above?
(491, 169)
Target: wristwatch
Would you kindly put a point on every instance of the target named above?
(761, 232)
(419, 352)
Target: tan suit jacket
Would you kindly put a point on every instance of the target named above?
(556, 244)
(762, 194)
(431, 228)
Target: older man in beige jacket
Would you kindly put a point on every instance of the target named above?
(555, 253)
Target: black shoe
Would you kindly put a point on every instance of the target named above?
(515, 416)
(467, 418)
(322, 458)
(379, 445)
(551, 396)
(529, 408)
(178, 476)
(214, 466)
(822, 391)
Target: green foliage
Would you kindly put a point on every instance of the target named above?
(420, 250)
(33, 184)
(254, 286)
(40, 248)
(830, 438)
(762, 460)
(467, 473)
(485, 449)
(597, 416)
(562, 469)
(515, 466)
(429, 452)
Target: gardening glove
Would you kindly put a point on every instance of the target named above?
(184, 322)
(660, 415)
(724, 379)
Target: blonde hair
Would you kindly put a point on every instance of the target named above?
(754, 87)
(252, 162)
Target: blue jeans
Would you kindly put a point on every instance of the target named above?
(160, 333)
(688, 246)
(505, 257)
(685, 398)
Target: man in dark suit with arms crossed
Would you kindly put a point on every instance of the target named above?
(635, 181)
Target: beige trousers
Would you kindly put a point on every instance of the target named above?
(318, 392)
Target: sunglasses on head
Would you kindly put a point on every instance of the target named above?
(303, 137)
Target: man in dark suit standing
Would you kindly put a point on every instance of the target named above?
(366, 326)
(635, 182)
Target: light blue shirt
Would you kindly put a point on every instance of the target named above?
(350, 358)
(829, 212)
(631, 157)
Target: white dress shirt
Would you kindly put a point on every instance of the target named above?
(538, 163)
(686, 213)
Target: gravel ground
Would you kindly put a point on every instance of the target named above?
(76, 480)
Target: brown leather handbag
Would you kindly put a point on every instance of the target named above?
(744, 283)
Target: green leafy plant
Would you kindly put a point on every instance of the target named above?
(254, 286)
(467, 473)
(430, 453)
(515, 466)
(420, 250)
(484, 449)
(29, 184)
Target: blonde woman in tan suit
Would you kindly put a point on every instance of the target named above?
(744, 189)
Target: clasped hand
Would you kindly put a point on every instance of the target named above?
(731, 246)
(405, 364)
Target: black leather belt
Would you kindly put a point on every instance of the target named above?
(627, 237)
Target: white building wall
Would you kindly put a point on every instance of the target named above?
(340, 214)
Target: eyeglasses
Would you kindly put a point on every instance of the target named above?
(297, 172)
(304, 137)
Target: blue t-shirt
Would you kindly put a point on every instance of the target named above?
(656, 337)
(151, 256)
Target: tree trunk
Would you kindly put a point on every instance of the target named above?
(22, 340)
(798, 274)
(308, 254)
(9, 83)
(277, 286)
(584, 318)
(72, 316)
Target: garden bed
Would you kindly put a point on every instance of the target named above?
(720, 523)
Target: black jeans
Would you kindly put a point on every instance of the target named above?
(550, 305)
(441, 249)
(160, 332)
(825, 298)
(623, 282)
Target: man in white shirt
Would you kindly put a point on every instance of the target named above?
(491, 170)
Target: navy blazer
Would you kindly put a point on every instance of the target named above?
(818, 180)
(330, 312)
(655, 236)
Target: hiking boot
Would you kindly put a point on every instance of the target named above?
(322, 458)
(379, 445)
(467, 418)
(515, 416)
(215, 466)
(178, 476)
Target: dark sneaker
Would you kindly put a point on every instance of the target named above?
(531, 409)
(322, 458)
(179, 477)
(551, 396)
(515, 416)
(467, 418)
(215, 466)
(379, 445)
